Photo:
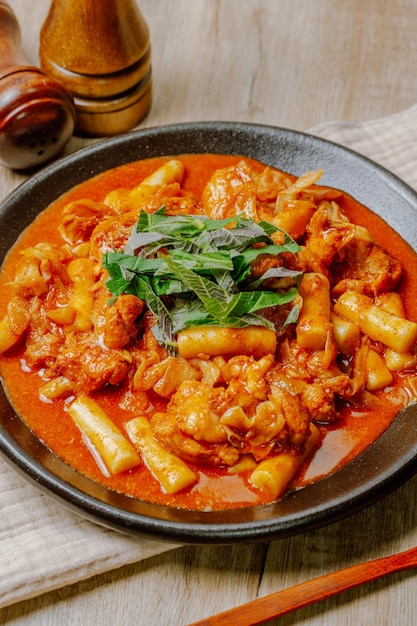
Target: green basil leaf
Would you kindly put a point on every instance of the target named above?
(203, 267)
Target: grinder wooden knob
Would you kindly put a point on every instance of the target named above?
(37, 114)
(101, 52)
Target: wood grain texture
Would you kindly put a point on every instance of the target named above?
(290, 599)
(296, 64)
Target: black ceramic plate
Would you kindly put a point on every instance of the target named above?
(386, 464)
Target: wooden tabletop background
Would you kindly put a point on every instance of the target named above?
(294, 64)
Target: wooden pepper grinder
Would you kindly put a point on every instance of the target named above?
(37, 114)
(100, 50)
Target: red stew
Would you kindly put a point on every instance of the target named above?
(217, 488)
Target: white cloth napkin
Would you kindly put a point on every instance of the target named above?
(43, 546)
(390, 141)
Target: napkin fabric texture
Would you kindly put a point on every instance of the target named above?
(390, 141)
(44, 546)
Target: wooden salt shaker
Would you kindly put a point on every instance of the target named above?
(100, 50)
(37, 113)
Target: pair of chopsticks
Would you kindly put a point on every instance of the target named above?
(281, 602)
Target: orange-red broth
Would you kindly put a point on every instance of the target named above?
(216, 489)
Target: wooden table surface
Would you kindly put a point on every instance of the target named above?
(295, 64)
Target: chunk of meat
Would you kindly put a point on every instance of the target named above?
(191, 428)
(216, 425)
(164, 376)
(320, 403)
(39, 268)
(270, 183)
(90, 367)
(111, 234)
(231, 191)
(80, 217)
(328, 232)
(120, 320)
(295, 414)
(366, 268)
(316, 378)
(43, 340)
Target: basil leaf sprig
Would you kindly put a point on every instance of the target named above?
(203, 265)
